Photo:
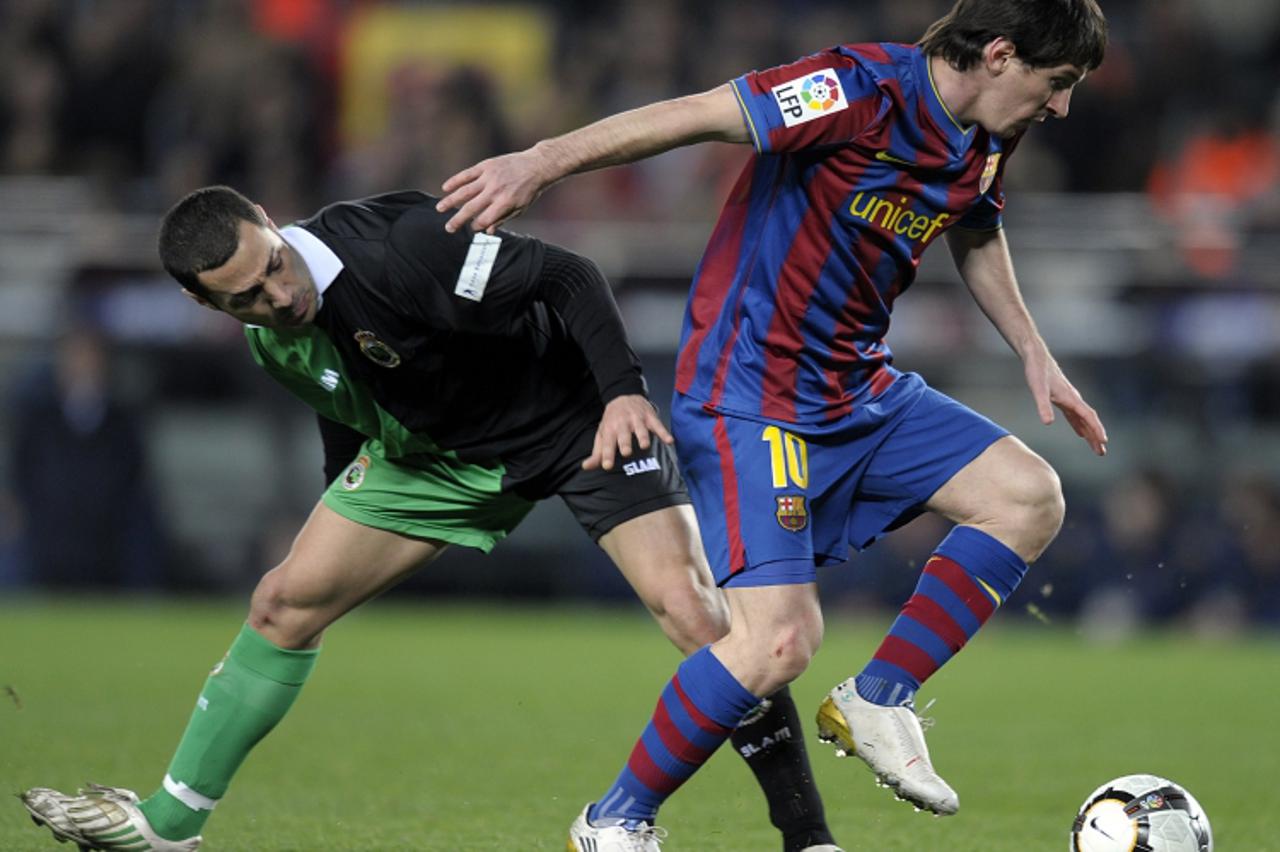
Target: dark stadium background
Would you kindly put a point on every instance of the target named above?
(1144, 229)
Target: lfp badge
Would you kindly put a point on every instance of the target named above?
(811, 96)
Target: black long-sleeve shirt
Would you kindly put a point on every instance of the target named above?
(493, 349)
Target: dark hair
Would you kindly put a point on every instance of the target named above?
(202, 232)
(1044, 32)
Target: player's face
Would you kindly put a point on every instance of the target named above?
(265, 282)
(1023, 95)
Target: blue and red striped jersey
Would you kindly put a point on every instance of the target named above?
(859, 168)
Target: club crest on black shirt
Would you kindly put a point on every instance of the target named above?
(377, 351)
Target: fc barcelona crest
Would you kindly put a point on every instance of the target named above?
(989, 173)
(377, 351)
(791, 513)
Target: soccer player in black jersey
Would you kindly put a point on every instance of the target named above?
(459, 379)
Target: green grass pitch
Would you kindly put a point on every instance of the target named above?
(432, 727)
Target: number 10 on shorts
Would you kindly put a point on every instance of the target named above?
(788, 457)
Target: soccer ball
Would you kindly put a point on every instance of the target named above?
(1141, 813)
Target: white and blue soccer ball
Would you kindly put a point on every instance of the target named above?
(1141, 813)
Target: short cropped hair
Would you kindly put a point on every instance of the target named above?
(1044, 32)
(202, 232)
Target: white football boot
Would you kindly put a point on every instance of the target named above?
(585, 837)
(104, 818)
(890, 741)
(823, 847)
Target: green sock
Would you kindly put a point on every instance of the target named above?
(243, 699)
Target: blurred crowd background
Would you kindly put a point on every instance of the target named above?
(144, 453)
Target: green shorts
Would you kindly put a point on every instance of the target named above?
(443, 499)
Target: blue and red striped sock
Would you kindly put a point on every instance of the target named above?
(966, 579)
(697, 711)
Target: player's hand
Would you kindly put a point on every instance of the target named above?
(494, 190)
(1049, 388)
(626, 419)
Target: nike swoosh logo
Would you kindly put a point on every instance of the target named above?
(889, 158)
(1093, 823)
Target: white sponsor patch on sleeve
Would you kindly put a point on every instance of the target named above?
(811, 96)
(478, 266)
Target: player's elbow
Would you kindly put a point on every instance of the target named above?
(714, 115)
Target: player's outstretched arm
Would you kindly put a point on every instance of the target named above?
(626, 418)
(494, 190)
(987, 269)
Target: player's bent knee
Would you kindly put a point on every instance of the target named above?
(790, 651)
(1038, 506)
(768, 650)
(284, 613)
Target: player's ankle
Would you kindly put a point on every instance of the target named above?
(799, 837)
(170, 818)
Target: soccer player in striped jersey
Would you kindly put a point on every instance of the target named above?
(797, 435)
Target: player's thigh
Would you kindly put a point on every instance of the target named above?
(335, 563)
(924, 449)
(660, 555)
(1004, 481)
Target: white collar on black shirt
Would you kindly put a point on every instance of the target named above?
(323, 264)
